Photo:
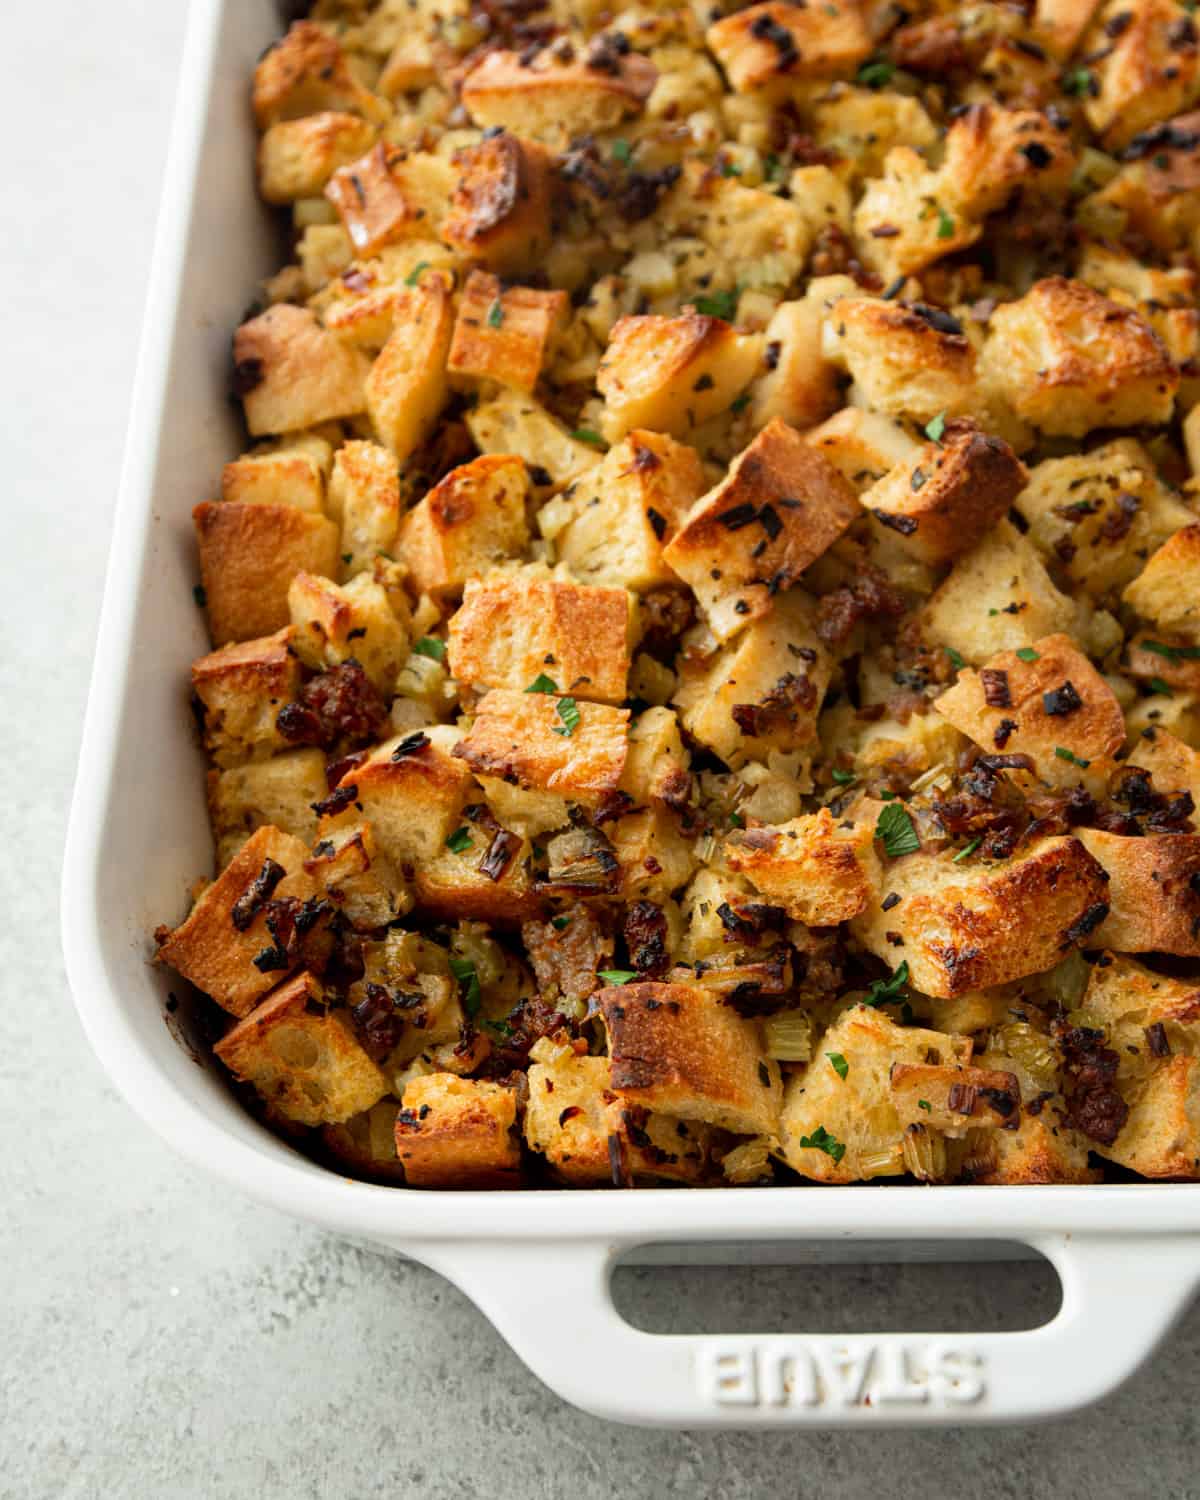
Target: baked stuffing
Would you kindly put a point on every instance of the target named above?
(705, 672)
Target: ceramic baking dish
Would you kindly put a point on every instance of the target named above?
(537, 1263)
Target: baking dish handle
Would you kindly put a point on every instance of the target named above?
(552, 1303)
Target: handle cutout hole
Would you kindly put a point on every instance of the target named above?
(1013, 1289)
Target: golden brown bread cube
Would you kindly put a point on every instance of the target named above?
(470, 520)
(1155, 194)
(862, 445)
(500, 210)
(336, 623)
(249, 555)
(1068, 359)
(511, 423)
(225, 946)
(412, 791)
(364, 1146)
(672, 374)
(799, 385)
(620, 514)
(279, 792)
(819, 871)
(1153, 892)
(1150, 1022)
(993, 153)
(276, 476)
(1173, 765)
(1145, 67)
(364, 498)
(767, 46)
(407, 388)
(1059, 24)
(1043, 1150)
(941, 502)
(843, 1126)
(963, 927)
(390, 194)
(513, 629)
(291, 373)
(1167, 590)
(655, 858)
(502, 334)
(906, 359)
(554, 100)
(780, 506)
(1055, 702)
(953, 1099)
(760, 692)
(523, 738)
(489, 883)
(677, 1049)
(656, 765)
(458, 1133)
(589, 1136)
(296, 158)
(306, 72)
(357, 878)
(902, 221)
(302, 1056)
(241, 689)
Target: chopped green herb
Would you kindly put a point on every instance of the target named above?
(542, 684)
(736, 820)
(586, 435)
(888, 991)
(1157, 685)
(1079, 81)
(821, 1140)
(993, 612)
(741, 403)
(495, 314)
(199, 595)
(965, 853)
(719, 304)
(945, 229)
(622, 151)
(1064, 754)
(616, 976)
(1027, 653)
(560, 924)
(347, 558)
(430, 646)
(876, 74)
(415, 274)
(925, 1105)
(957, 661)
(568, 712)
(730, 169)
(773, 167)
(895, 828)
(935, 429)
(499, 1028)
(843, 778)
(1172, 653)
(839, 1064)
(460, 841)
(463, 970)
(886, 796)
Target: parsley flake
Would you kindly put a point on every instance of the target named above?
(560, 924)
(1078, 82)
(495, 314)
(622, 151)
(740, 403)
(875, 74)
(1027, 653)
(463, 970)
(957, 661)
(889, 991)
(347, 558)
(460, 841)
(1157, 685)
(719, 304)
(568, 712)
(925, 1105)
(429, 646)
(415, 274)
(1064, 754)
(968, 850)
(616, 976)
(839, 1064)
(1171, 653)
(895, 828)
(935, 429)
(945, 226)
(821, 1140)
(843, 778)
(586, 435)
(542, 684)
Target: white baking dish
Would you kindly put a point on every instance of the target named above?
(538, 1264)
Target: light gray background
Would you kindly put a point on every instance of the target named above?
(159, 1337)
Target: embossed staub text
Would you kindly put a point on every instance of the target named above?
(830, 1373)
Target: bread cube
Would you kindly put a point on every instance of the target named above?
(622, 512)
(555, 100)
(1043, 1150)
(1173, 765)
(1178, 715)
(504, 335)
(276, 476)
(472, 519)
(302, 1056)
(412, 791)
(908, 360)
(1098, 514)
(458, 1133)
(278, 792)
(500, 211)
(1146, 68)
(296, 158)
(1150, 1022)
(656, 766)
(943, 501)
(307, 72)
(836, 1128)
(966, 927)
(1068, 359)
(674, 1048)
(526, 739)
(1057, 702)
(407, 388)
(226, 947)
(780, 506)
(993, 153)
(863, 124)
(1059, 24)
(768, 46)
(390, 194)
(249, 555)
(489, 883)
(364, 1146)
(862, 445)
(742, 226)
(800, 387)
(514, 424)
(997, 597)
(364, 498)
(513, 629)
(349, 622)
(291, 373)
(760, 692)
(241, 689)
(1155, 194)
(1153, 892)
(356, 877)
(672, 374)
(654, 857)
(903, 223)
(955, 1098)
(820, 872)
(1167, 590)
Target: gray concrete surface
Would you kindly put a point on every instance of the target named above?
(159, 1337)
